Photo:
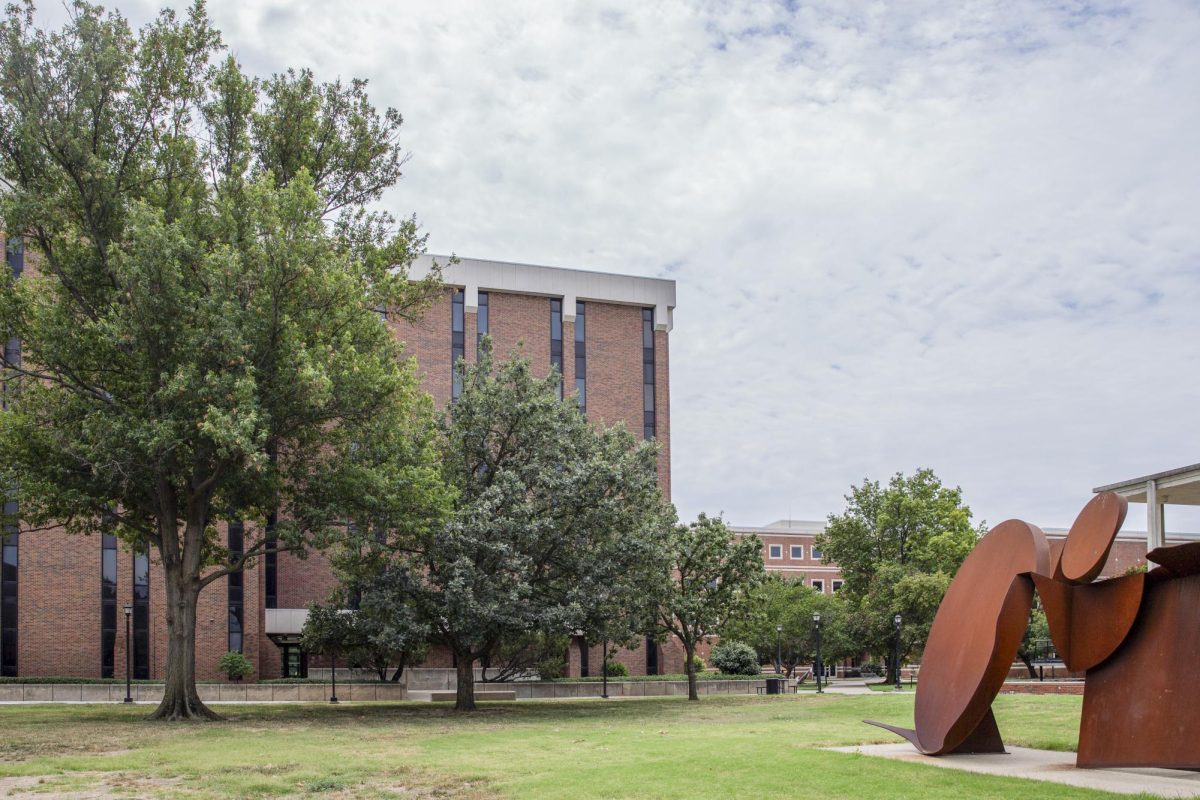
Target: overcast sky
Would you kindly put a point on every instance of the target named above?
(957, 235)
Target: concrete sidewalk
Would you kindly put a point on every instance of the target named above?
(1047, 765)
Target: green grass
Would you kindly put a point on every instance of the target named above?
(732, 746)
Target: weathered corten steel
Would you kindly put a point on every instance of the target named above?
(1089, 622)
(1134, 636)
(974, 640)
(1090, 538)
(1141, 707)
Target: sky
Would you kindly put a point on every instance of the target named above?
(960, 236)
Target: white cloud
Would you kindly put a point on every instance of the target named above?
(951, 235)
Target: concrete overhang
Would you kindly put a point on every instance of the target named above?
(285, 621)
(1175, 487)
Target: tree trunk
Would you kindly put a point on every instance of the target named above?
(690, 649)
(180, 700)
(464, 698)
(1024, 656)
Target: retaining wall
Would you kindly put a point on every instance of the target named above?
(209, 692)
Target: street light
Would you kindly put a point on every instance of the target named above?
(128, 654)
(896, 652)
(333, 678)
(604, 672)
(817, 629)
(778, 650)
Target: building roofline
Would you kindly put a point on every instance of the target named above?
(1140, 483)
(477, 274)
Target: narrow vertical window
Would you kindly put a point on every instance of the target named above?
(14, 256)
(648, 421)
(556, 353)
(581, 354)
(651, 656)
(457, 343)
(271, 565)
(481, 323)
(141, 615)
(108, 603)
(235, 596)
(9, 539)
(583, 658)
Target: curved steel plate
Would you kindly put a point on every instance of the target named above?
(976, 633)
(1091, 537)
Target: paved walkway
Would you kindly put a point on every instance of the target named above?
(1048, 765)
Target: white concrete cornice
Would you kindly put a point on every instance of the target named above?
(475, 275)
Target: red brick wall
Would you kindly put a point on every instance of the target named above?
(811, 568)
(428, 340)
(520, 324)
(59, 610)
(58, 604)
(303, 581)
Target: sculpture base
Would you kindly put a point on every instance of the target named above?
(985, 738)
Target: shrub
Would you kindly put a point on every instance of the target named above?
(735, 658)
(698, 664)
(235, 665)
(615, 669)
(551, 668)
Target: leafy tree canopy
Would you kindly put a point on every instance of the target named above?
(897, 547)
(555, 522)
(712, 574)
(778, 622)
(200, 322)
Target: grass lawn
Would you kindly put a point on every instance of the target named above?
(721, 747)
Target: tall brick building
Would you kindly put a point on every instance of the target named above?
(62, 598)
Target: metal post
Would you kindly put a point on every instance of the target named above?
(128, 656)
(333, 678)
(819, 670)
(778, 650)
(604, 672)
(896, 653)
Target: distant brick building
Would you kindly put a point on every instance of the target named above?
(62, 597)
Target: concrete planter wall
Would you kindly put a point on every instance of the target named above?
(548, 690)
(209, 692)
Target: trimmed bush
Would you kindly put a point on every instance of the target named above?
(735, 658)
(235, 665)
(615, 669)
(699, 664)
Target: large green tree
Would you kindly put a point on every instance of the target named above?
(897, 547)
(778, 623)
(712, 574)
(550, 516)
(200, 328)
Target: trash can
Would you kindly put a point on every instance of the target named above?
(775, 685)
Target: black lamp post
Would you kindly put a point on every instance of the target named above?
(778, 650)
(333, 678)
(817, 630)
(128, 655)
(604, 672)
(896, 651)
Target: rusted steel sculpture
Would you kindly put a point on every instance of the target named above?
(1134, 637)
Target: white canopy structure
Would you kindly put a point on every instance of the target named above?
(1175, 486)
